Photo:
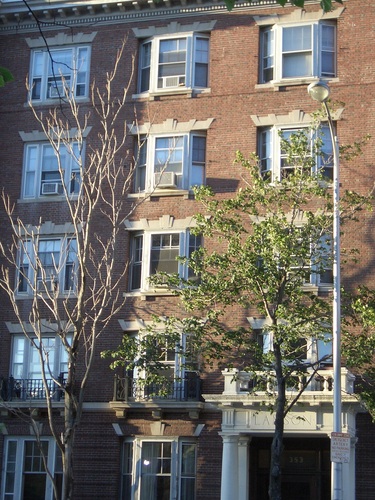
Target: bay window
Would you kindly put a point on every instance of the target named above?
(57, 72)
(47, 266)
(153, 253)
(170, 162)
(274, 163)
(296, 51)
(24, 472)
(167, 469)
(45, 170)
(175, 62)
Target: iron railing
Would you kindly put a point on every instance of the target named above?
(178, 389)
(17, 389)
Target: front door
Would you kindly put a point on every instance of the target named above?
(305, 469)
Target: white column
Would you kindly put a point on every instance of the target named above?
(229, 468)
(348, 474)
(243, 467)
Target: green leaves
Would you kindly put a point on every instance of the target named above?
(5, 76)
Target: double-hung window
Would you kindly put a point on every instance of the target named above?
(173, 63)
(298, 51)
(54, 73)
(46, 170)
(47, 266)
(167, 469)
(312, 260)
(24, 470)
(275, 161)
(153, 253)
(170, 162)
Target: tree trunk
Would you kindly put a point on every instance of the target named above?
(274, 487)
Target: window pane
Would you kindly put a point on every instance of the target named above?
(127, 470)
(297, 38)
(267, 55)
(198, 161)
(156, 469)
(201, 62)
(164, 252)
(297, 65)
(297, 52)
(10, 469)
(172, 63)
(136, 263)
(145, 63)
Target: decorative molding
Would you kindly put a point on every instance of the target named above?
(60, 39)
(298, 15)
(295, 117)
(170, 125)
(164, 222)
(46, 326)
(173, 27)
(39, 136)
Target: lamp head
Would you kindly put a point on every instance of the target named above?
(319, 91)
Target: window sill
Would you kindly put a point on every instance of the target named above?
(54, 101)
(188, 92)
(152, 292)
(278, 85)
(44, 199)
(158, 193)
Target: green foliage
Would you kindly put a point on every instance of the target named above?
(326, 5)
(261, 247)
(5, 76)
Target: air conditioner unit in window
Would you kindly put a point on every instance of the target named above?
(165, 180)
(56, 90)
(49, 188)
(173, 81)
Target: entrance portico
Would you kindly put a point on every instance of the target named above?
(247, 430)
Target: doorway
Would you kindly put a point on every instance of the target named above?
(305, 468)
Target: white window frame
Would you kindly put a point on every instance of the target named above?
(272, 52)
(316, 349)
(43, 165)
(13, 489)
(29, 266)
(183, 81)
(133, 469)
(142, 258)
(25, 360)
(165, 175)
(50, 82)
(270, 153)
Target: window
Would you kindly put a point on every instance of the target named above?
(55, 72)
(273, 160)
(173, 63)
(297, 51)
(171, 162)
(45, 171)
(153, 253)
(26, 371)
(167, 470)
(24, 469)
(52, 266)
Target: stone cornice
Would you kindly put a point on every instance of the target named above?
(16, 17)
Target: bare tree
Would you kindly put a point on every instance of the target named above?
(73, 290)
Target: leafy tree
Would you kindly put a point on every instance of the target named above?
(358, 343)
(263, 250)
(326, 5)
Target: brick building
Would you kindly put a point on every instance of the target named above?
(211, 82)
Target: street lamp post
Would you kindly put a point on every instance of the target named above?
(320, 91)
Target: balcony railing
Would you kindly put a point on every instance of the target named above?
(236, 382)
(15, 389)
(187, 388)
